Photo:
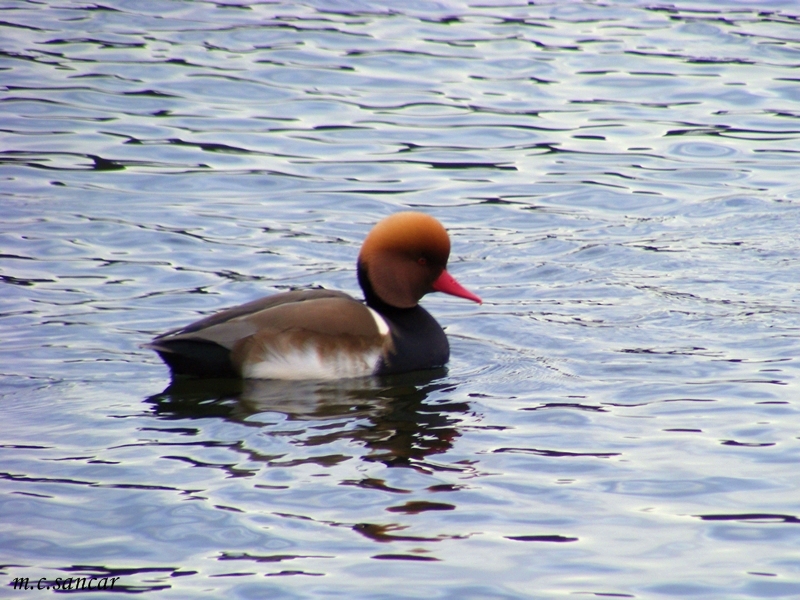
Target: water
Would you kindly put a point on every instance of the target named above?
(618, 419)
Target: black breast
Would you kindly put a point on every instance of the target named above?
(419, 341)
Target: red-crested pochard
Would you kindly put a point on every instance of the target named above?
(321, 334)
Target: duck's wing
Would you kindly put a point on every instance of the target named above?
(250, 308)
(295, 335)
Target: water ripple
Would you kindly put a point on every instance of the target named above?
(617, 181)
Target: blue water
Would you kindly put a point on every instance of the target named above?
(619, 418)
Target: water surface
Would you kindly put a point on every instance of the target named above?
(618, 419)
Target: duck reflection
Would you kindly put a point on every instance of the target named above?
(397, 422)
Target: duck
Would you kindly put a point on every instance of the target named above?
(325, 334)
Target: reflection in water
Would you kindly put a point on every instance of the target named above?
(398, 425)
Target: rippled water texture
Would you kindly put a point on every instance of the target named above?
(621, 184)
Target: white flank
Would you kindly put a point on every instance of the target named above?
(383, 326)
(307, 363)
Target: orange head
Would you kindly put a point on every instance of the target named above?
(404, 257)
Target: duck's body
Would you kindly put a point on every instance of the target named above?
(321, 334)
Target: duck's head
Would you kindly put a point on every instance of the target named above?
(405, 257)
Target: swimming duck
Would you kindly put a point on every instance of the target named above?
(324, 334)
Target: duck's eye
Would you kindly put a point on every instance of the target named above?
(422, 261)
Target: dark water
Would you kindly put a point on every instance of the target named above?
(620, 418)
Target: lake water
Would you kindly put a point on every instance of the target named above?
(620, 418)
